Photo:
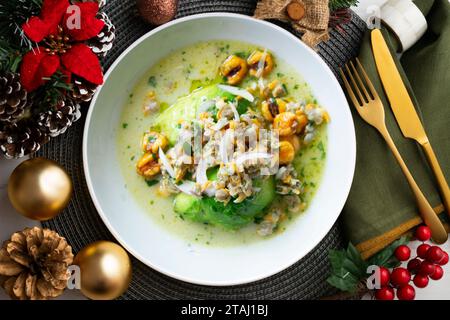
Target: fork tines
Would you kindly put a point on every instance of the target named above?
(361, 90)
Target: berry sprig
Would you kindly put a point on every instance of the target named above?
(420, 269)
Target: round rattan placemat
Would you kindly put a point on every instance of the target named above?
(81, 224)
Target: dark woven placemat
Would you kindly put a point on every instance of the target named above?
(81, 224)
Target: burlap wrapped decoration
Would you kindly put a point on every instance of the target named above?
(310, 17)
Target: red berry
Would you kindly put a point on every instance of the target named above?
(400, 277)
(444, 259)
(423, 233)
(435, 254)
(384, 276)
(438, 273)
(427, 268)
(406, 292)
(420, 281)
(422, 250)
(414, 265)
(402, 252)
(385, 293)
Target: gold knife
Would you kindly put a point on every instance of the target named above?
(404, 110)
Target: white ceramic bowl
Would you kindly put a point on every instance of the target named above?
(159, 248)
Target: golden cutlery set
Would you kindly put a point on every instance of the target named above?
(370, 107)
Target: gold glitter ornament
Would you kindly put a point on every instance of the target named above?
(157, 12)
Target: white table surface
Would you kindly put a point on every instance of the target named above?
(11, 221)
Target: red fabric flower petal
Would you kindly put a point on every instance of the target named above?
(88, 25)
(36, 29)
(35, 66)
(81, 61)
(53, 11)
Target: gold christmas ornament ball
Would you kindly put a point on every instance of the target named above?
(105, 270)
(39, 189)
(157, 12)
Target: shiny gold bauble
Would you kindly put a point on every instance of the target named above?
(157, 12)
(105, 270)
(39, 189)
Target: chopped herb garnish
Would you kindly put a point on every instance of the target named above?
(296, 87)
(151, 183)
(152, 81)
(321, 147)
(132, 158)
(242, 54)
(124, 125)
(280, 75)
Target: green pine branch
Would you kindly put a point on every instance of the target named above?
(13, 14)
(341, 4)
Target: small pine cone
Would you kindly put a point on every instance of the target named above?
(56, 120)
(20, 139)
(83, 90)
(34, 264)
(103, 42)
(13, 97)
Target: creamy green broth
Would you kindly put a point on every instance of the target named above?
(176, 76)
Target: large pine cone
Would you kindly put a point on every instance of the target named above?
(13, 97)
(103, 42)
(21, 138)
(56, 120)
(34, 264)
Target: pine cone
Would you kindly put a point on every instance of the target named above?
(83, 90)
(56, 120)
(21, 138)
(101, 44)
(34, 264)
(13, 97)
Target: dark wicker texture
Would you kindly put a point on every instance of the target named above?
(81, 224)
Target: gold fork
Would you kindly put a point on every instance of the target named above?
(370, 108)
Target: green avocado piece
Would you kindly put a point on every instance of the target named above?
(186, 108)
(231, 216)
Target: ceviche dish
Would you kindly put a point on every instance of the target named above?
(223, 143)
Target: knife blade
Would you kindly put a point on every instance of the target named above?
(401, 103)
(403, 108)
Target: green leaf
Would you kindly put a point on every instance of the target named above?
(386, 258)
(356, 258)
(348, 268)
(348, 283)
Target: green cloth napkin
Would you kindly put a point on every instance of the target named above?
(381, 205)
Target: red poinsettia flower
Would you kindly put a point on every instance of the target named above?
(60, 31)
